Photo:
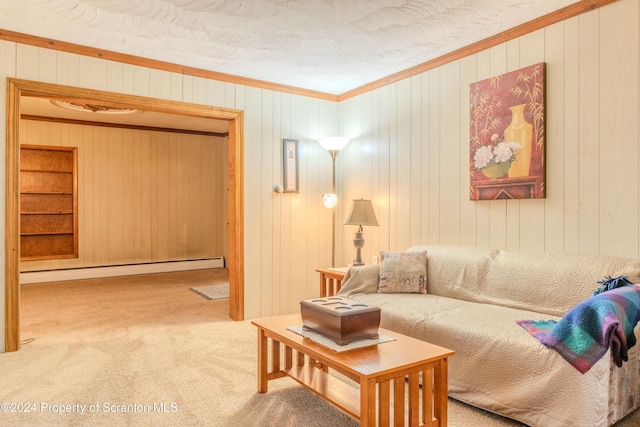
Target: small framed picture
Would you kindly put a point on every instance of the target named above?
(290, 164)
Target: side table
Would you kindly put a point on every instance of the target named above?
(331, 280)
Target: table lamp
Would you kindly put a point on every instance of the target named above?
(361, 213)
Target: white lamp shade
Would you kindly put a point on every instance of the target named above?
(333, 143)
(361, 213)
(330, 200)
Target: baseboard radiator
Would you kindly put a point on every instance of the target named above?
(119, 270)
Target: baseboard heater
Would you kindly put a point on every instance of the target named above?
(119, 270)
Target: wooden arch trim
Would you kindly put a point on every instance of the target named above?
(16, 88)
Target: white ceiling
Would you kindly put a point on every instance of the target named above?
(327, 45)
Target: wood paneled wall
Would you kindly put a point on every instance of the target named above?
(411, 148)
(287, 236)
(143, 196)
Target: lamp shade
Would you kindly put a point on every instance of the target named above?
(330, 200)
(333, 143)
(361, 213)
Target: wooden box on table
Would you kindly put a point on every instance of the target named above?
(341, 319)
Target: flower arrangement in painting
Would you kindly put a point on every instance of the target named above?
(494, 160)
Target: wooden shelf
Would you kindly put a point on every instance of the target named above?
(62, 193)
(47, 213)
(43, 170)
(49, 233)
(328, 387)
(48, 202)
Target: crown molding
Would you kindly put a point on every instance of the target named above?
(515, 32)
(528, 27)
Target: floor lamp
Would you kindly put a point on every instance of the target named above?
(333, 145)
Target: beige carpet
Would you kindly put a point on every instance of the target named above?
(149, 346)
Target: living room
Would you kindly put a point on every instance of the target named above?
(409, 152)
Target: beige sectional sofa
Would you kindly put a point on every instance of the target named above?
(474, 298)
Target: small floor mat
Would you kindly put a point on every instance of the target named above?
(213, 291)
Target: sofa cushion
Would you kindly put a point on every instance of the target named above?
(545, 282)
(497, 365)
(403, 272)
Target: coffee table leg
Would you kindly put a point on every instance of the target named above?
(367, 403)
(440, 391)
(263, 357)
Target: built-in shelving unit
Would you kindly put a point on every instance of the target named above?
(48, 202)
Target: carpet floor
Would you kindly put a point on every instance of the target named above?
(146, 351)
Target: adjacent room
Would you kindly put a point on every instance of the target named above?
(142, 193)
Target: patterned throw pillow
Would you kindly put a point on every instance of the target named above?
(402, 272)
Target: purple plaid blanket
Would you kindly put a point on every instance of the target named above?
(585, 333)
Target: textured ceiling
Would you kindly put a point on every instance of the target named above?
(330, 46)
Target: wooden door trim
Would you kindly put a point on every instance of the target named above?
(18, 87)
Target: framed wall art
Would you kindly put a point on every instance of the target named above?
(507, 135)
(290, 164)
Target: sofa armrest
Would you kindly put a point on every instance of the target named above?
(360, 280)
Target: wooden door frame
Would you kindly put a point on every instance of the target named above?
(16, 88)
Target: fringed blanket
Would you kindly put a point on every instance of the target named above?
(586, 332)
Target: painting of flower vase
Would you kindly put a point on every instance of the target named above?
(507, 135)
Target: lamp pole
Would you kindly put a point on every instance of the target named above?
(334, 154)
(333, 145)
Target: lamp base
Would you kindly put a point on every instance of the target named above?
(358, 242)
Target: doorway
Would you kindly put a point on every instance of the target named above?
(17, 88)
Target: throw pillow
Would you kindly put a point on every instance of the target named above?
(403, 272)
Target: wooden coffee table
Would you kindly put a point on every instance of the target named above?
(380, 370)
